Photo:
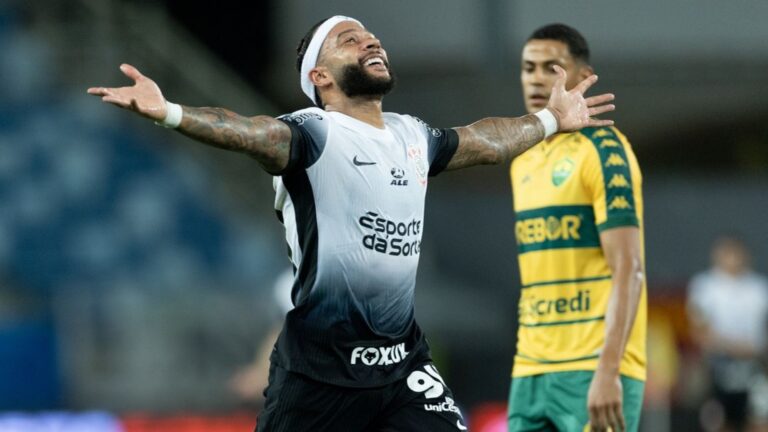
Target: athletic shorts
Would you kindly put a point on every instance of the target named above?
(735, 406)
(420, 402)
(558, 402)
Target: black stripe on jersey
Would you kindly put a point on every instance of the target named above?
(307, 142)
(290, 252)
(300, 190)
(442, 149)
(296, 155)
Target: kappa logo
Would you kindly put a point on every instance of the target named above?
(618, 181)
(619, 203)
(600, 133)
(615, 159)
(608, 142)
(380, 356)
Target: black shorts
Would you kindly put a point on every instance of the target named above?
(420, 402)
(735, 406)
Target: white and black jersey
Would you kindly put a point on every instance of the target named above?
(352, 202)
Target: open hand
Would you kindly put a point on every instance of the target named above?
(573, 111)
(143, 97)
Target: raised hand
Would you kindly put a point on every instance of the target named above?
(143, 97)
(573, 111)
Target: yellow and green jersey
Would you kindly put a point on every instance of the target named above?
(566, 192)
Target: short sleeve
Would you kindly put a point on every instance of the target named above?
(309, 133)
(608, 175)
(441, 146)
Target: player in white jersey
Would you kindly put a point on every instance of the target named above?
(350, 183)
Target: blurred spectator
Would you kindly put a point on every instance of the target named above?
(249, 382)
(29, 374)
(728, 307)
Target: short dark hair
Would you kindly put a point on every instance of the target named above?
(301, 50)
(576, 43)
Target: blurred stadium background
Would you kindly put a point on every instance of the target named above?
(136, 267)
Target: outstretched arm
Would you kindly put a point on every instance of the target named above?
(262, 137)
(496, 140)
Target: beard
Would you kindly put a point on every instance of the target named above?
(355, 81)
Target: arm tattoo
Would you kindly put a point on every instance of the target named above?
(262, 137)
(495, 140)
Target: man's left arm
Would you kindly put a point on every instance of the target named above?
(498, 140)
(622, 250)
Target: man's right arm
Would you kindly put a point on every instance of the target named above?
(266, 139)
(262, 137)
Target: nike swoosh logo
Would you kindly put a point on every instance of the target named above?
(361, 163)
(460, 426)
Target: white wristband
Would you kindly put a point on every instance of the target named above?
(173, 114)
(549, 121)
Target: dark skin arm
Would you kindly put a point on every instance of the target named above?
(488, 141)
(496, 140)
(262, 137)
(621, 247)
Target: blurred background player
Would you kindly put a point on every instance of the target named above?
(577, 196)
(728, 310)
(249, 382)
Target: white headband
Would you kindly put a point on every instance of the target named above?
(313, 52)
